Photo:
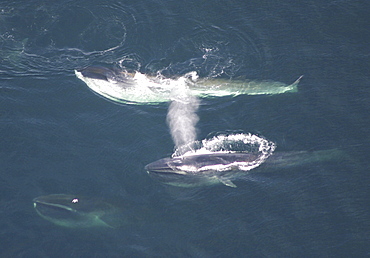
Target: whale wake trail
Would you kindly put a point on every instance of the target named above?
(181, 116)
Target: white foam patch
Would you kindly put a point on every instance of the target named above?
(227, 144)
(137, 90)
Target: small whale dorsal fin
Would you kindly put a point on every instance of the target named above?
(226, 182)
(297, 81)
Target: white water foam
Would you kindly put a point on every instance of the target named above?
(228, 144)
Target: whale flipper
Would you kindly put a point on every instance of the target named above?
(227, 182)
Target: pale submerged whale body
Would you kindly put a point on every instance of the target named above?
(78, 212)
(137, 88)
(214, 168)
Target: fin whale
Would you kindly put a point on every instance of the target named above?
(141, 89)
(203, 169)
(77, 212)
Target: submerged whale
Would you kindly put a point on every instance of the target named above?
(215, 168)
(78, 212)
(141, 89)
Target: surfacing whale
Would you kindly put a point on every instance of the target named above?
(77, 211)
(140, 89)
(215, 168)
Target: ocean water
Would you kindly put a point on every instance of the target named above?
(58, 137)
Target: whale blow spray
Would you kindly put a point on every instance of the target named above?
(181, 116)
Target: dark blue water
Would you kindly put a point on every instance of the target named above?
(59, 137)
